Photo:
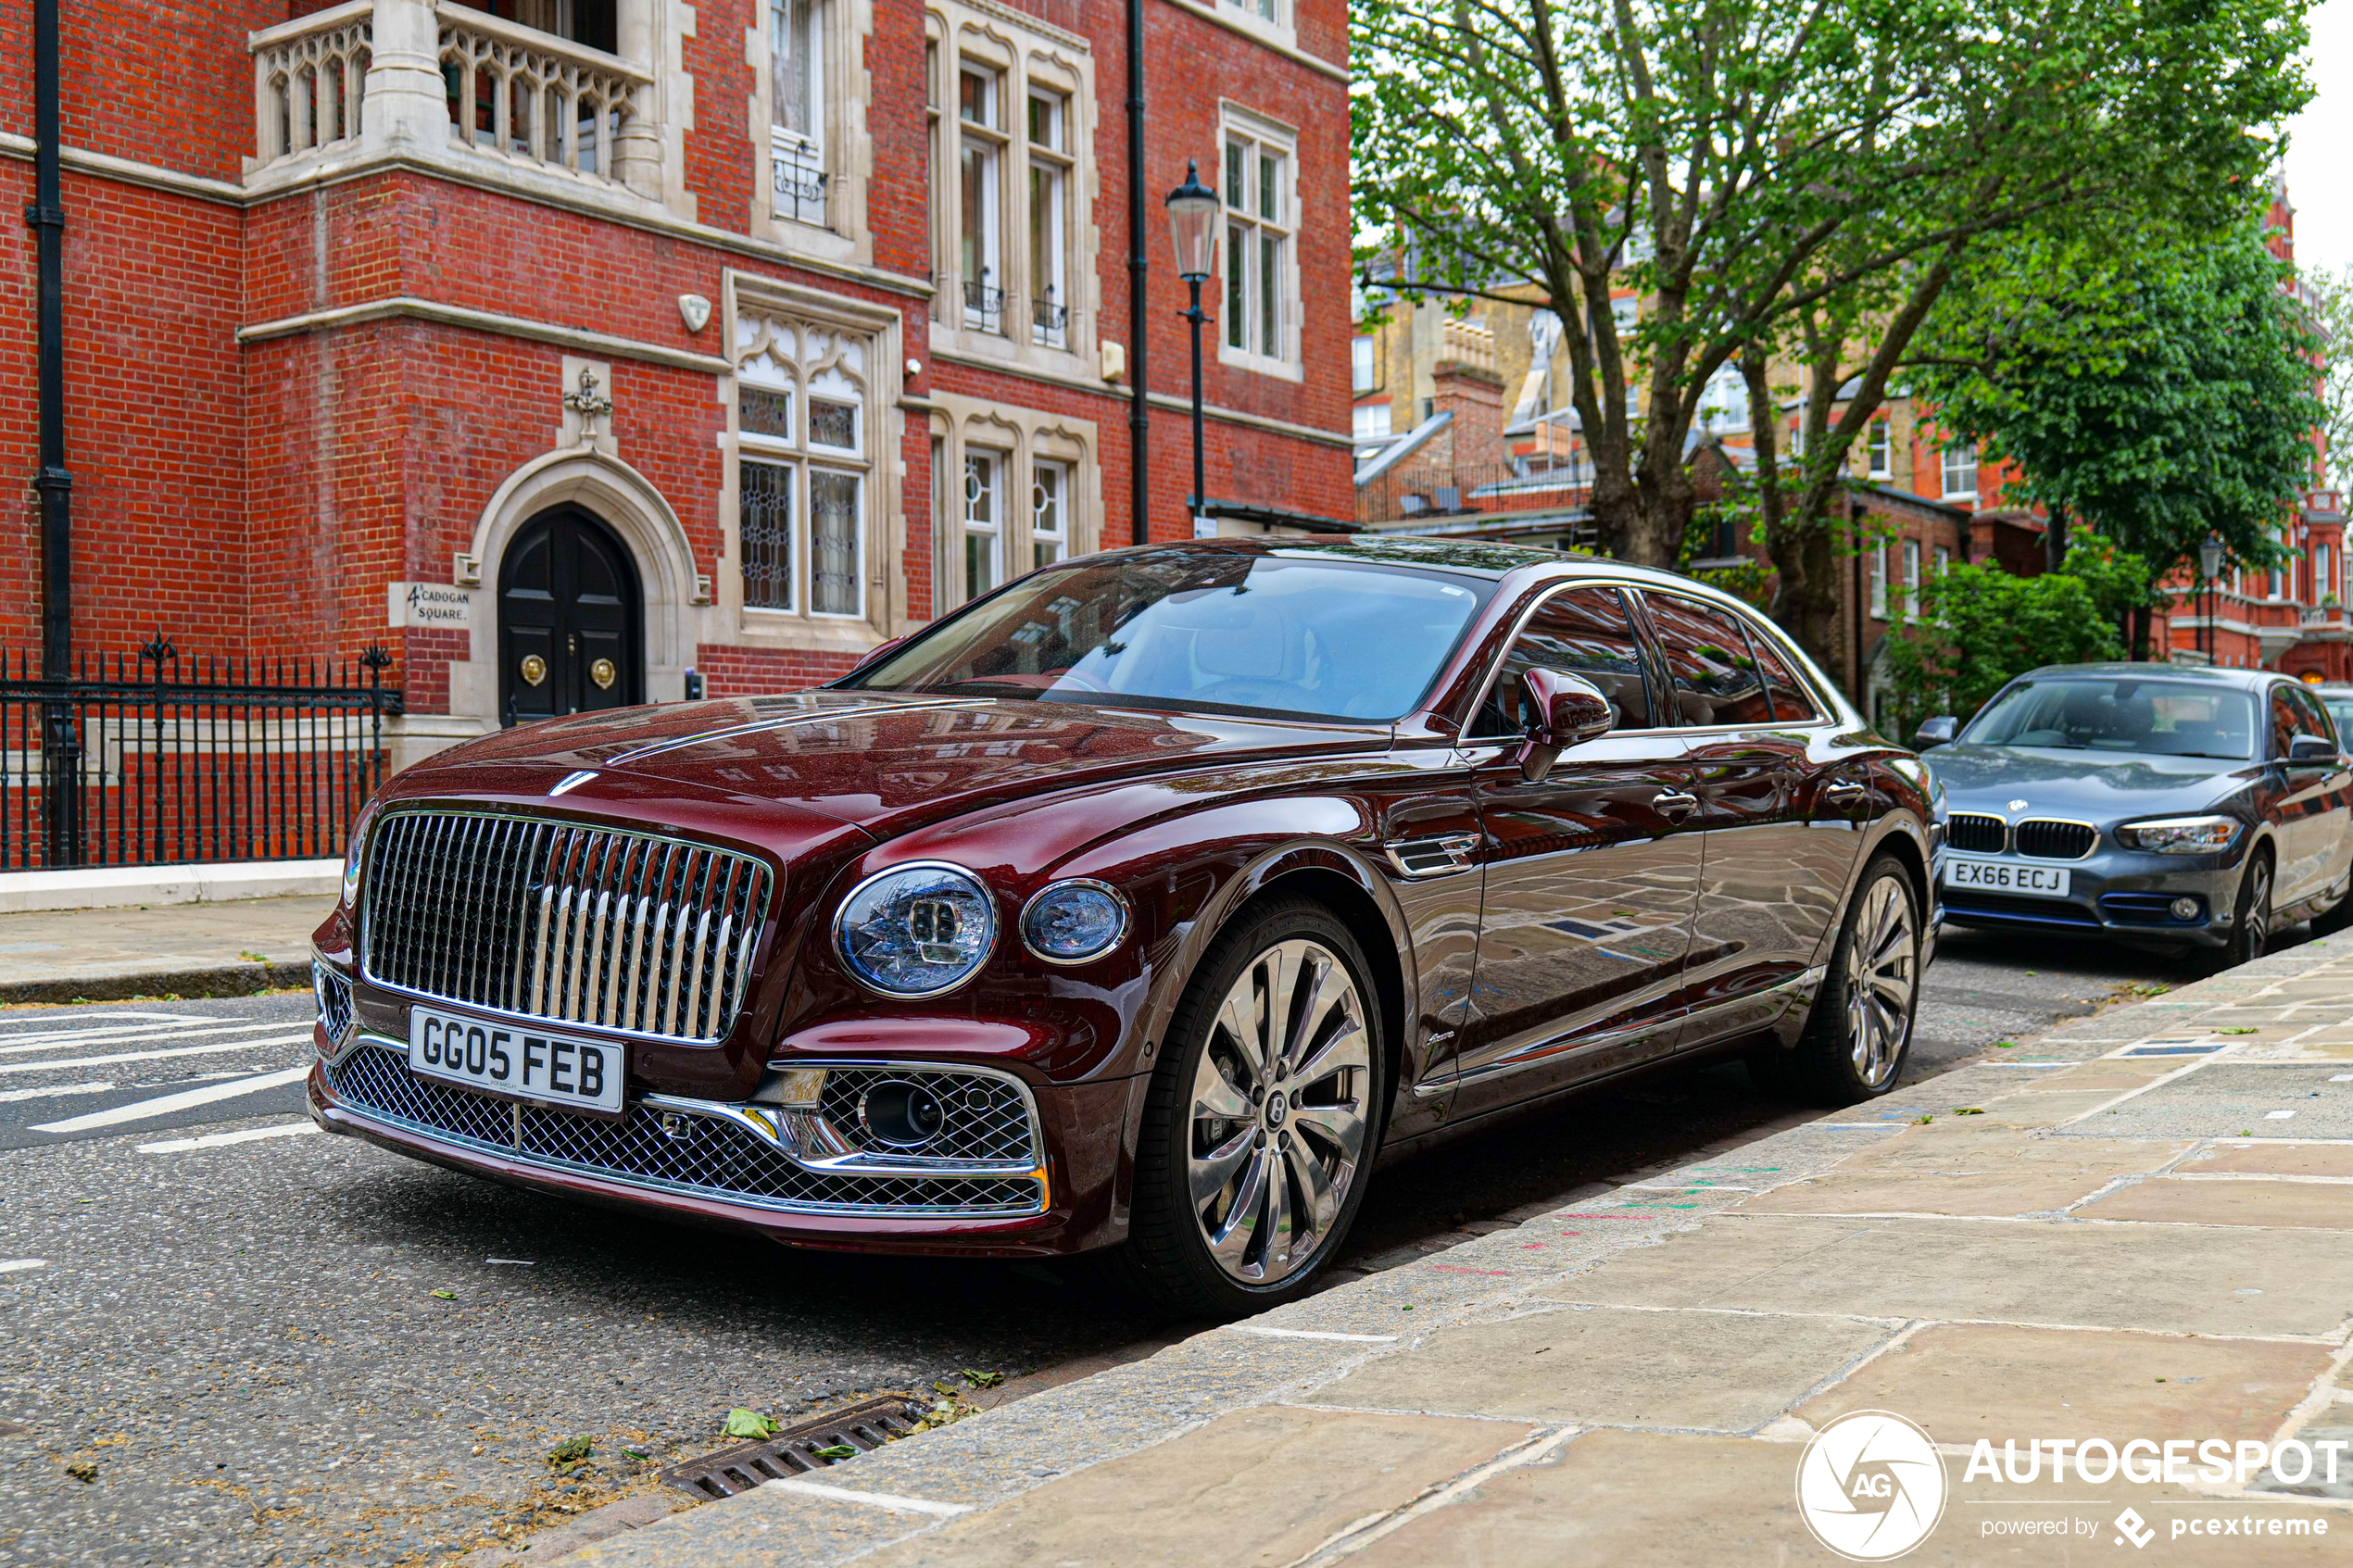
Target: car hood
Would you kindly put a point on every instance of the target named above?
(2094, 786)
(890, 763)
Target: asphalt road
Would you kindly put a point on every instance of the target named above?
(289, 1347)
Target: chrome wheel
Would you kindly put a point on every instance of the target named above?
(2254, 934)
(1882, 960)
(1278, 1113)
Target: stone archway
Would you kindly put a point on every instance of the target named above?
(675, 600)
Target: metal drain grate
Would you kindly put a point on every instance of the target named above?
(864, 1426)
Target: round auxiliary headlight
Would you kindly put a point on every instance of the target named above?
(1075, 921)
(916, 929)
(351, 873)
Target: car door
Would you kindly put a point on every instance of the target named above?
(2310, 810)
(1590, 871)
(2332, 813)
(1781, 817)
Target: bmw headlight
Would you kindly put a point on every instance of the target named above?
(916, 929)
(2180, 835)
(1073, 920)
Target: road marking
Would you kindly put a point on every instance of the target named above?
(1318, 1333)
(222, 1140)
(873, 1500)
(214, 1049)
(2277, 1115)
(12, 1096)
(18, 1265)
(17, 1044)
(164, 1105)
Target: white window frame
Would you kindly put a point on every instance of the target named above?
(1021, 445)
(1046, 205)
(797, 154)
(1944, 559)
(1049, 511)
(1911, 578)
(1878, 450)
(1958, 463)
(1878, 568)
(1373, 420)
(1363, 362)
(1248, 141)
(985, 476)
(980, 189)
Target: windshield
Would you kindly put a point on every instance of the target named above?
(2168, 718)
(1182, 629)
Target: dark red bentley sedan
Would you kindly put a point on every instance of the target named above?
(1148, 901)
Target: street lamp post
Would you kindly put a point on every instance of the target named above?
(1193, 223)
(2209, 567)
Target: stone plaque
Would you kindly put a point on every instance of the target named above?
(431, 605)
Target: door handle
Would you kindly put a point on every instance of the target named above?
(1674, 804)
(1844, 792)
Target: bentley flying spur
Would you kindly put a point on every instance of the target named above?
(1146, 903)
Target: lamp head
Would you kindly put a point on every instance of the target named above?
(1193, 223)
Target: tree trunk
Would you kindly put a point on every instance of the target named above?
(2055, 540)
(2140, 643)
(1805, 592)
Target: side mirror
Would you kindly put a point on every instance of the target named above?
(1938, 731)
(1563, 710)
(2312, 748)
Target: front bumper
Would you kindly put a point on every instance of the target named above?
(722, 1164)
(2115, 891)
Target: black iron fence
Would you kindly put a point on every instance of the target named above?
(151, 759)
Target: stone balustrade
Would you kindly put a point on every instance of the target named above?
(537, 98)
(309, 79)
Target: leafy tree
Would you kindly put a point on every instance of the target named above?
(1790, 178)
(2331, 316)
(2155, 392)
(1979, 626)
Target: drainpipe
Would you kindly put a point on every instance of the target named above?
(54, 481)
(60, 746)
(1139, 413)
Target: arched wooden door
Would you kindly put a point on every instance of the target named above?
(570, 620)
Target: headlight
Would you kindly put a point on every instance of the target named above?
(1075, 921)
(2180, 835)
(916, 929)
(351, 859)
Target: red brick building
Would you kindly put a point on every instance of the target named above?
(566, 346)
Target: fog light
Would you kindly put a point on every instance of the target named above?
(2184, 909)
(901, 1114)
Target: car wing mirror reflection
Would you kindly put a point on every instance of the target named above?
(1563, 710)
(2313, 750)
(1938, 731)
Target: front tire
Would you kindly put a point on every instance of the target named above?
(1263, 1118)
(2251, 919)
(1860, 1032)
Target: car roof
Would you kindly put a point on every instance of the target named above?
(1467, 557)
(2201, 674)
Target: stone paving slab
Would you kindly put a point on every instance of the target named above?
(2225, 1098)
(230, 949)
(2254, 1201)
(1725, 1372)
(2274, 1159)
(1966, 1380)
(2180, 1278)
(1880, 1192)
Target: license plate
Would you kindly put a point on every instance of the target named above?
(2008, 877)
(506, 1059)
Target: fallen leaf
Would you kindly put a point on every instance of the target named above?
(742, 1422)
(443, 1295)
(1923, 1121)
(1970, 1110)
(836, 1451)
(983, 1379)
(2236, 1029)
(571, 1450)
(82, 1470)
(2006, 1044)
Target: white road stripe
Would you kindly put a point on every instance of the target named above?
(873, 1500)
(71, 1022)
(222, 1140)
(14, 1046)
(12, 1096)
(164, 1105)
(303, 1038)
(18, 1265)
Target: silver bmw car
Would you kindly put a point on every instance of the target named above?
(2190, 808)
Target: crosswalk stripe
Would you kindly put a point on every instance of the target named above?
(222, 1140)
(164, 1105)
(13, 1046)
(12, 1096)
(303, 1038)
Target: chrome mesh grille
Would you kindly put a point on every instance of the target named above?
(334, 994)
(986, 1119)
(2045, 840)
(703, 1155)
(1973, 832)
(553, 920)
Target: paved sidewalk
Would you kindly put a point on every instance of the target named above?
(2137, 1229)
(226, 949)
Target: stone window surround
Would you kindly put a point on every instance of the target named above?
(848, 148)
(1291, 366)
(1022, 51)
(1024, 435)
(883, 547)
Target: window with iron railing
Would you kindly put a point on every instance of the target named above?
(797, 109)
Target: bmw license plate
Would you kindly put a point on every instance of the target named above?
(505, 1059)
(2008, 877)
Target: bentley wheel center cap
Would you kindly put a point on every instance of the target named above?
(1278, 1107)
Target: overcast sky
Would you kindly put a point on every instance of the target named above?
(2319, 151)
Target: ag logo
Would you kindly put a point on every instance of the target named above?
(1870, 1486)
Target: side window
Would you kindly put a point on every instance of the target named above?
(2285, 723)
(1711, 663)
(2311, 718)
(1583, 632)
(1793, 704)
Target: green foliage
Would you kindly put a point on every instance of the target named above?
(2120, 582)
(1979, 626)
(2154, 391)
